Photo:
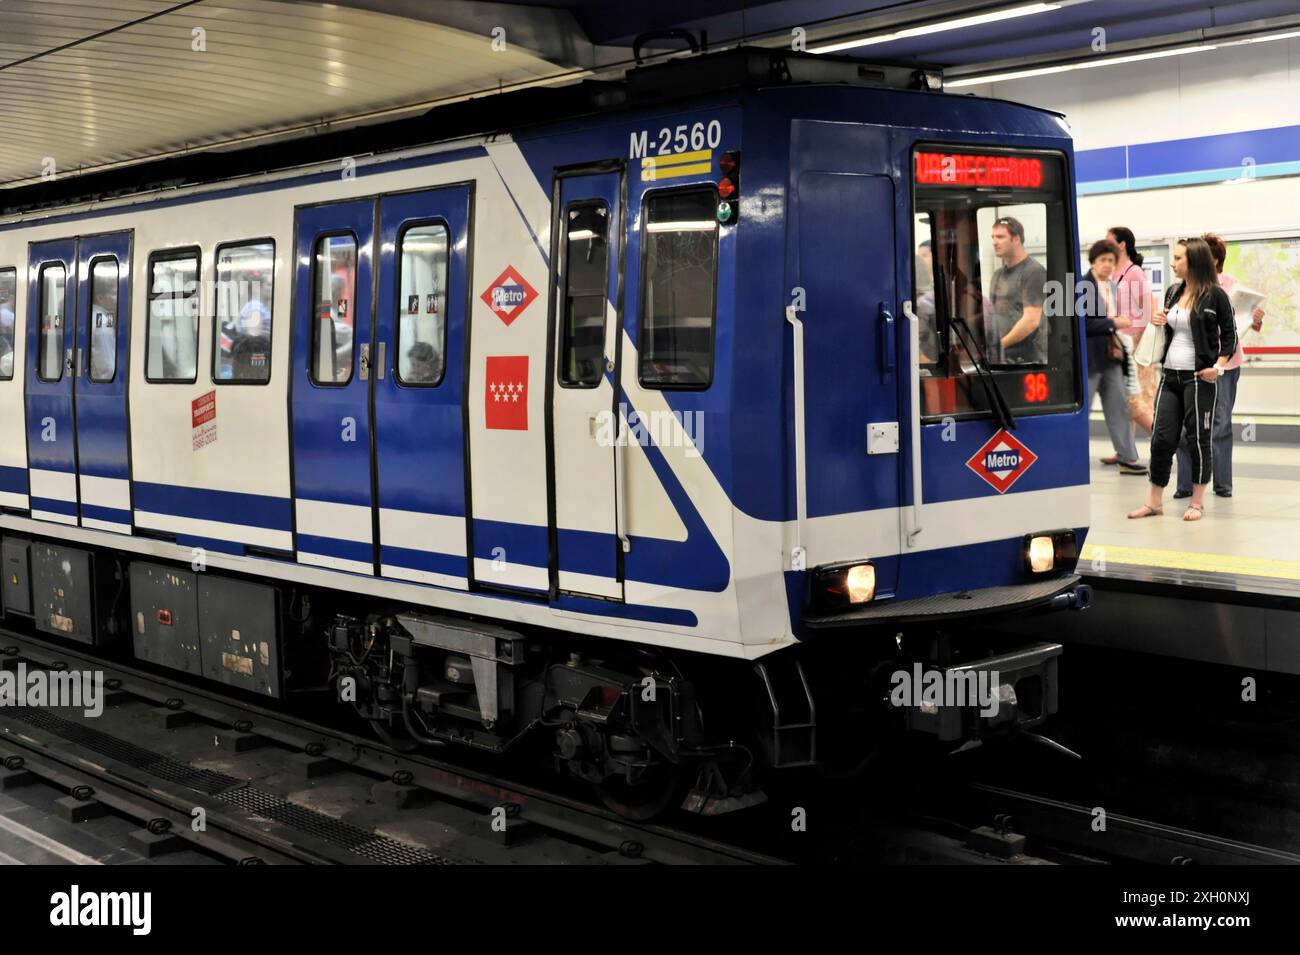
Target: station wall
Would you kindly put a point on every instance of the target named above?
(1182, 145)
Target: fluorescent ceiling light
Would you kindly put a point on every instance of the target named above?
(1084, 65)
(1010, 13)
(1265, 39)
(1112, 60)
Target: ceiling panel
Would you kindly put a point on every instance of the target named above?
(135, 86)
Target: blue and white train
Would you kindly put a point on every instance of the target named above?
(568, 428)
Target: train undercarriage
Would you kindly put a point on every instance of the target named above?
(647, 728)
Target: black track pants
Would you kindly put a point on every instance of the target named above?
(1184, 403)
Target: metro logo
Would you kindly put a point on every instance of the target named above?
(1001, 460)
(508, 295)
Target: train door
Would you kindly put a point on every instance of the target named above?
(51, 412)
(853, 415)
(330, 404)
(420, 329)
(100, 365)
(585, 414)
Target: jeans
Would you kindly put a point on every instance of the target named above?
(1184, 406)
(1114, 406)
(1221, 437)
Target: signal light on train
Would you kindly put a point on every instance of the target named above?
(729, 187)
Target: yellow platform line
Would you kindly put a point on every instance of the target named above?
(1094, 554)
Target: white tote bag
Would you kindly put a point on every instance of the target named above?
(1147, 351)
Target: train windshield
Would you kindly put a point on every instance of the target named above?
(992, 279)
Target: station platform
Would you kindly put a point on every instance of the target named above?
(1249, 542)
(1224, 590)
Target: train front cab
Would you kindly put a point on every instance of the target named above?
(950, 482)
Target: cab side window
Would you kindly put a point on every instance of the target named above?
(678, 289)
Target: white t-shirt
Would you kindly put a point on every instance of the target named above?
(1182, 350)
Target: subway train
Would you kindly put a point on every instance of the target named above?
(568, 436)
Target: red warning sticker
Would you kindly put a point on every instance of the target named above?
(203, 418)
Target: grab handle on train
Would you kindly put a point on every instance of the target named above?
(887, 342)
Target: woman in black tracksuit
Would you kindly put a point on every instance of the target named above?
(1200, 337)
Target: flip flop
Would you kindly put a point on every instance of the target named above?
(1146, 510)
(1113, 459)
(1196, 509)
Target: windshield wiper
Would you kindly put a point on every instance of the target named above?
(997, 403)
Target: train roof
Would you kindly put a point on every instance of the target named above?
(729, 72)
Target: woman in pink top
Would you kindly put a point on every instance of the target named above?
(1133, 295)
(1221, 434)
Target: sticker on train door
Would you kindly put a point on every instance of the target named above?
(508, 295)
(1001, 461)
(505, 392)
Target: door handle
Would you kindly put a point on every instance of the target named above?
(67, 361)
(81, 365)
(382, 369)
(913, 525)
(620, 485)
(887, 342)
(365, 362)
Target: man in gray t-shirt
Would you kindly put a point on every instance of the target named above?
(1017, 293)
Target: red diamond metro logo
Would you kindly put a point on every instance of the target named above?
(509, 294)
(1001, 461)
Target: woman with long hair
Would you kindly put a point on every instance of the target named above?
(1222, 430)
(1200, 337)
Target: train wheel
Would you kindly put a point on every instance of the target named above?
(663, 788)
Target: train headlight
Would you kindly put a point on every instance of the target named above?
(843, 585)
(1047, 551)
(1041, 555)
(860, 583)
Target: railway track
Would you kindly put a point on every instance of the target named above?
(271, 788)
(1020, 822)
(274, 788)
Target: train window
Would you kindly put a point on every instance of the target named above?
(586, 291)
(172, 334)
(992, 263)
(8, 321)
(335, 281)
(422, 304)
(103, 318)
(53, 284)
(679, 275)
(241, 333)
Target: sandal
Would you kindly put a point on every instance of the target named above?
(1146, 510)
(1193, 508)
(1113, 459)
